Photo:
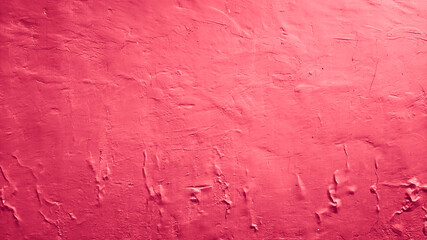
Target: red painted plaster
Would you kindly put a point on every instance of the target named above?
(213, 119)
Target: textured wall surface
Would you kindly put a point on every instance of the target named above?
(234, 119)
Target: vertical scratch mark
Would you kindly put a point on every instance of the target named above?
(224, 185)
(4, 175)
(144, 161)
(249, 203)
(373, 188)
(157, 162)
(425, 222)
(375, 74)
(320, 119)
(301, 186)
(335, 202)
(346, 154)
(149, 188)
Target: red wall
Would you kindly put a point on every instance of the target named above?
(210, 119)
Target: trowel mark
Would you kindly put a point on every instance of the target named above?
(413, 194)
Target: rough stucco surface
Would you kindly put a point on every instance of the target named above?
(213, 119)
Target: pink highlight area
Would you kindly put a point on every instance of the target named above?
(232, 119)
